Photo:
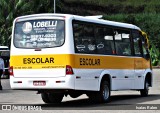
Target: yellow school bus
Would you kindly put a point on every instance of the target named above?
(62, 54)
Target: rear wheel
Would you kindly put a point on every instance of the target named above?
(144, 92)
(101, 96)
(55, 97)
(45, 97)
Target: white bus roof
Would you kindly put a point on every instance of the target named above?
(80, 18)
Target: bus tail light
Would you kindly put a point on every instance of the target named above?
(69, 70)
(11, 71)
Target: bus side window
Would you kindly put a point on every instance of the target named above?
(145, 51)
(99, 35)
(137, 44)
(144, 45)
(78, 36)
(123, 42)
(104, 40)
(88, 39)
(109, 42)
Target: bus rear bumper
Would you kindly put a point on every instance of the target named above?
(66, 82)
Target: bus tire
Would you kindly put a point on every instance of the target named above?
(102, 96)
(45, 97)
(55, 97)
(104, 93)
(144, 92)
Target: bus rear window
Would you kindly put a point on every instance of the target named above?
(39, 33)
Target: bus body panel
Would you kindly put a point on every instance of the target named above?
(66, 82)
(87, 77)
(85, 71)
(141, 78)
(52, 65)
(93, 66)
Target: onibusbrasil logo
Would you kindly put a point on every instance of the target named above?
(27, 27)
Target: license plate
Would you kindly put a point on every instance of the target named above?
(39, 83)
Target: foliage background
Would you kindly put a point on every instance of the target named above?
(143, 13)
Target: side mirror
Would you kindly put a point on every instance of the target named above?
(147, 56)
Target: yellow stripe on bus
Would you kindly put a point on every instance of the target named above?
(77, 61)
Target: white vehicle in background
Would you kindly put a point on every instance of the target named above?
(61, 54)
(5, 54)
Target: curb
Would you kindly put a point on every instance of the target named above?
(156, 67)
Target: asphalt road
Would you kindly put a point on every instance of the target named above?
(121, 101)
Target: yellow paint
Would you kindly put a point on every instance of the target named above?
(79, 61)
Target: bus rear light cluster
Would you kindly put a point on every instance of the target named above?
(69, 70)
(11, 71)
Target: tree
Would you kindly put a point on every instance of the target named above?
(10, 9)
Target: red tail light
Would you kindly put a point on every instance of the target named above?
(69, 70)
(11, 71)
